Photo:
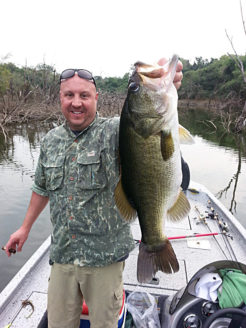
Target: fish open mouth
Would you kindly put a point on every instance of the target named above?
(150, 71)
(150, 76)
(156, 76)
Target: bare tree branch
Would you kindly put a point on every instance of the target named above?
(236, 59)
(4, 132)
(241, 9)
(13, 110)
(240, 121)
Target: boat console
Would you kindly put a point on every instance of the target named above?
(186, 310)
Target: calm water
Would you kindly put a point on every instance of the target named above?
(17, 166)
(212, 162)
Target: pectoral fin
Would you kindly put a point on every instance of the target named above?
(180, 208)
(167, 145)
(123, 204)
(184, 136)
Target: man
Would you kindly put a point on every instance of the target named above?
(77, 172)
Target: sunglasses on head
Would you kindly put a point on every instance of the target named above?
(82, 73)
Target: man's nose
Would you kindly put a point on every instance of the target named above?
(77, 101)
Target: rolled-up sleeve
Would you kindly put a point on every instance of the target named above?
(39, 185)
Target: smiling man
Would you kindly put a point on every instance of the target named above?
(77, 172)
(78, 100)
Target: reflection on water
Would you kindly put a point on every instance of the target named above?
(213, 161)
(214, 167)
(217, 160)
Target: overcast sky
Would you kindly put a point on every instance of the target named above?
(108, 36)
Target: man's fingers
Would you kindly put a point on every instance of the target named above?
(20, 245)
(162, 61)
(177, 85)
(11, 246)
(16, 241)
(178, 77)
(179, 67)
(9, 250)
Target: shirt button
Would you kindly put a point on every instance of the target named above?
(71, 178)
(73, 236)
(70, 197)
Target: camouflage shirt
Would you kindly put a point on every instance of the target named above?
(79, 175)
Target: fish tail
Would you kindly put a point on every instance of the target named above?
(160, 258)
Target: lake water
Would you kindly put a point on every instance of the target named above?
(211, 164)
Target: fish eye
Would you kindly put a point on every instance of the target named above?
(133, 87)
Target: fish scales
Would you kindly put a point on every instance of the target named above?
(151, 166)
(145, 184)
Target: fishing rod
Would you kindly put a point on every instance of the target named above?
(223, 226)
(194, 235)
(203, 218)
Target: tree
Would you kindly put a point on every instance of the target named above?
(240, 123)
(5, 76)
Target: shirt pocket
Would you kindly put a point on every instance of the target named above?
(54, 172)
(91, 171)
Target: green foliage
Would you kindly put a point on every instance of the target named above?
(217, 78)
(19, 82)
(5, 77)
(112, 84)
(203, 79)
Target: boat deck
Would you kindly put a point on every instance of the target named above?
(30, 283)
(192, 253)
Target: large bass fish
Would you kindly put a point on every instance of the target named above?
(151, 164)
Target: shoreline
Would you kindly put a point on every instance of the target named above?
(213, 105)
(109, 104)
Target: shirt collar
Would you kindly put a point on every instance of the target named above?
(66, 126)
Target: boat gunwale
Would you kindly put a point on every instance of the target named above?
(229, 216)
(16, 281)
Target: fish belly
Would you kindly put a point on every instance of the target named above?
(151, 186)
(150, 183)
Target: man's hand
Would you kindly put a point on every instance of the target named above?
(178, 76)
(16, 240)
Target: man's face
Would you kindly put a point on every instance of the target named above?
(78, 102)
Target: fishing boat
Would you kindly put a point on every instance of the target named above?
(208, 240)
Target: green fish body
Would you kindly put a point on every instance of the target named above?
(151, 165)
